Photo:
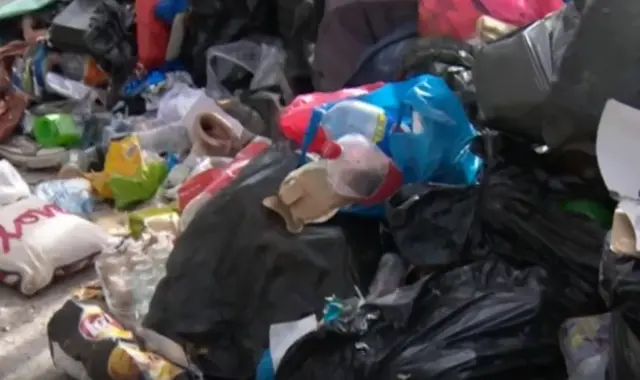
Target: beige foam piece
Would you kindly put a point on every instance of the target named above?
(306, 196)
(623, 236)
(490, 29)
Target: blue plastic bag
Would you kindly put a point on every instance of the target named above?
(427, 133)
(265, 370)
(437, 148)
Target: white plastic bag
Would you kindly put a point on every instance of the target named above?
(12, 186)
(39, 240)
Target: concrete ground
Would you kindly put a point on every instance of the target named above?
(24, 350)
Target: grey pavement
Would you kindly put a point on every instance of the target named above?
(24, 350)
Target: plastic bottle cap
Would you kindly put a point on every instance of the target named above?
(331, 150)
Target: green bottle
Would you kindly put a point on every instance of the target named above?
(56, 130)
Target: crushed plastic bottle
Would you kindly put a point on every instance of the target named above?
(358, 168)
(350, 117)
(130, 273)
(117, 282)
(141, 268)
(72, 195)
(355, 117)
(159, 254)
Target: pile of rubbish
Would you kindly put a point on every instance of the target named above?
(338, 189)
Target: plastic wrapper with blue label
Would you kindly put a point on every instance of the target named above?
(72, 195)
(419, 123)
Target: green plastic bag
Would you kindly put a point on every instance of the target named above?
(129, 191)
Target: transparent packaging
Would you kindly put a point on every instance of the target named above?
(72, 195)
(68, 88)
(117, 283)
(360, 168)
(130, 273)
(159, 253)
(355, 117)
(261, 60)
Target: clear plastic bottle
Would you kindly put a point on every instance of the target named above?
(358, 168)
(159, 253)
(355, 117)
(68, 88)
(144, 277)
(112, 267)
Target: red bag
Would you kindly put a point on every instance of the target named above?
(152, 35)
(457, 18)
(294, 119)
(209, 182)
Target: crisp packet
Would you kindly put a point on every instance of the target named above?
(88, 343)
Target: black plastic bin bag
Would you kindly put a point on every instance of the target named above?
(549, 82)
(585, 345)
(257, 63)
(236, 270)
(485, 320)
(514, 75)
(515, 212)
(620, 286)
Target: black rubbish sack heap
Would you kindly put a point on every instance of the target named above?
(584, 342)
(236, 270)
(448, 58)
(550, 81)
(248, 64)
(620, 285)
(515, 212)
(251, 71)
(485, 320)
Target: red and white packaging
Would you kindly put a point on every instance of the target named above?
(294, 118)
(197, 190)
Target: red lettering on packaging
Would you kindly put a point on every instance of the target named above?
(29, 216)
